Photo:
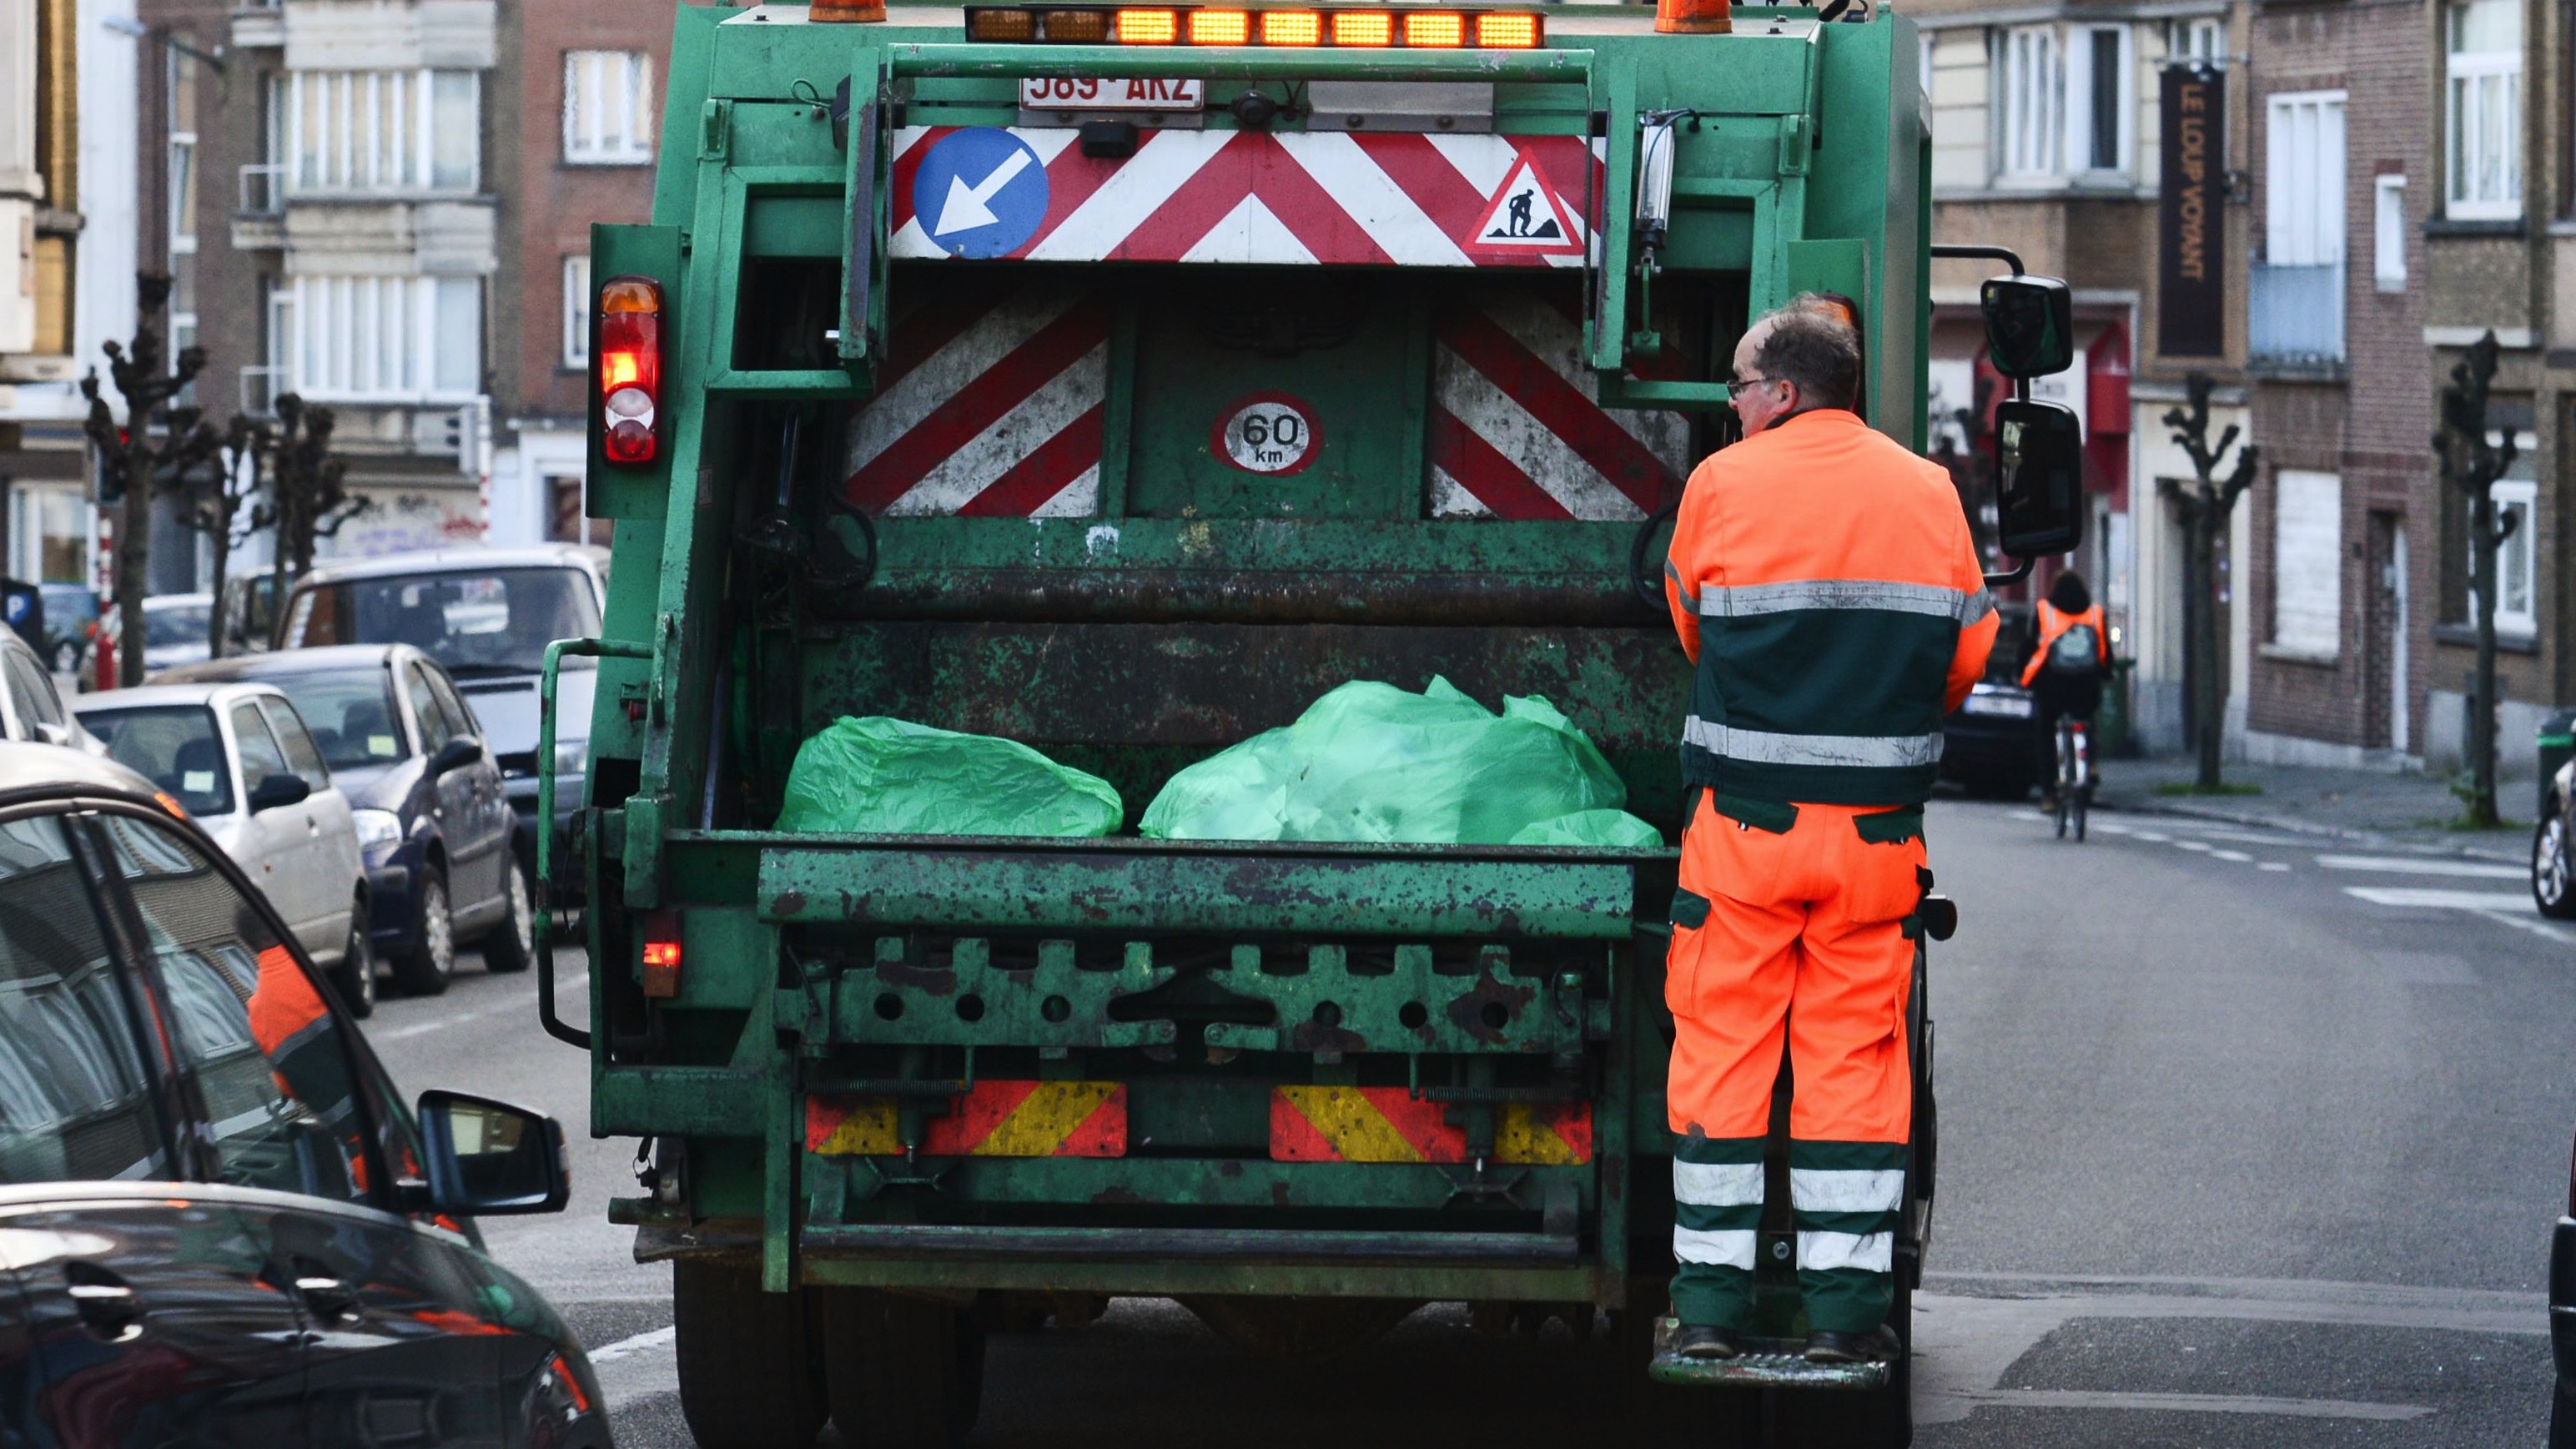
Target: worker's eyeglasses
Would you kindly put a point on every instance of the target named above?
(1739, 384)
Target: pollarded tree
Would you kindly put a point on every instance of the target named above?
(2205, 503)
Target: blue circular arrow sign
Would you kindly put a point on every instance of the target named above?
(981, 192)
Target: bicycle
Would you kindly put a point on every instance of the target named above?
(2074, 774)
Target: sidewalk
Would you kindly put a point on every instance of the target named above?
(2359, 806)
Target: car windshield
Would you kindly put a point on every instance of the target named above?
(350, 712)
(496, 622)
(185, 624)
(175, 746)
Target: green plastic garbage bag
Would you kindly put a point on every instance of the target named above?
(1371, 762)
(1609, 829)
(894, 777)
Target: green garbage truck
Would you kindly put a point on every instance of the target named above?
(1118, 380)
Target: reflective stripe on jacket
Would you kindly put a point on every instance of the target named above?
(1825, 583)
(2053, 622)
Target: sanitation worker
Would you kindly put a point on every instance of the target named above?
(2065, 672)
(1825, 585)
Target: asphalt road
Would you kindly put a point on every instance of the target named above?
(2247, 1140)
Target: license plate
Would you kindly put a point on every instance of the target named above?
(2009, 706)
(1150, 94)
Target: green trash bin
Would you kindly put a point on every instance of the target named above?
(2557, 743)
(2111, 722)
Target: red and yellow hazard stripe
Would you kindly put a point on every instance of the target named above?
(993, 1119)
(1390, 1124)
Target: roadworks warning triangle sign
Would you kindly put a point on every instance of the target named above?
(1525, 214)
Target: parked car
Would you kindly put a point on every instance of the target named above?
(2553, 871)
(30, 707)
(221, 1223)
(487, 614)
(71, 623)
(1991, 743)
(239, 761)
(174, 630)
(433, 821)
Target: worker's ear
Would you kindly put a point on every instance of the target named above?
(2039, 478)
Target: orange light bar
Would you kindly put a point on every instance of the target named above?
(1507, 32)
(1291, 27)
(1435, 29)
(1363, 27)
(1077, 27)
(1001, 24)
(1148, 27)
(1220, 27)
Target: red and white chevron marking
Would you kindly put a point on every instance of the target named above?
(1296, 198)
(1515, 430)
(991, 406)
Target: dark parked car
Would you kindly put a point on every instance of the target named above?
(218, 1222)
(435, 827)
(1991, 743)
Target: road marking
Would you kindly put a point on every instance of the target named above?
(2158, 837)
(576, 988)
(2193, 1404)
(2235, 855)
(2520, 921)
(640, 1343)
(2192, 845)
(2440, 900)
(2408, 865)
(2273, 865)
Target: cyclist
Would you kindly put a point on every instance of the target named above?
(2065, 671)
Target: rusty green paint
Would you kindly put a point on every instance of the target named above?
(970, 890)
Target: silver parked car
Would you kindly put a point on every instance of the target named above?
(238, 759)
(31, 709)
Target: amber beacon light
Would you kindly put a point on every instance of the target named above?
(1375, 27)
(1694, 17)
(630, 368)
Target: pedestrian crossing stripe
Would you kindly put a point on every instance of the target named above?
(1390, 1124)
(992, 1119)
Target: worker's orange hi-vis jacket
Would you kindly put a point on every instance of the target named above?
(1825, 583)
(2054, 621)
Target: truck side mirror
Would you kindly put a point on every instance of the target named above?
(2039, 478)
(488, 1158)
(2030, 325)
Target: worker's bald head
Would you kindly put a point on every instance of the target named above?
(1803, 356)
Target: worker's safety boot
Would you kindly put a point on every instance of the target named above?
(1879, 1345)
(1703, 1341)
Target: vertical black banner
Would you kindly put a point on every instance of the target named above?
(2191, 267)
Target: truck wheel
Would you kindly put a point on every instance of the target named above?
(905, 1373)
(749, 1378)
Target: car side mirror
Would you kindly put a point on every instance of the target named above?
(279, 789)
(2030, 325)
(488, 1158)
(2039, 478)
(456, 754)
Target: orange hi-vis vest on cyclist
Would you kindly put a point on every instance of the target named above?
(1824, 582)
(2054, 624)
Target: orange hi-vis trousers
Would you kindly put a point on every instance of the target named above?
(1791, 932)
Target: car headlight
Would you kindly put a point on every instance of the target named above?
(571, 755)
(376, 828)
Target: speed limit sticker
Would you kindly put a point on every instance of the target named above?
(1268, 432)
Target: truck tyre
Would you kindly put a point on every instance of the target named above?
(426, 966)
(749, 1374)
(905, 1373)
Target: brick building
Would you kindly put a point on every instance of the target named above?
(2344, 534)
(577, 132)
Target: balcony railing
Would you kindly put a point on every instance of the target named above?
(263, 188)
(2295, 315)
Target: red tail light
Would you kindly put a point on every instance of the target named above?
(630, 368)
(662, 954)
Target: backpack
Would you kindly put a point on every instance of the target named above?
(2077, 651)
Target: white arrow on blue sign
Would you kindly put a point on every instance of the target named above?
(981, 192)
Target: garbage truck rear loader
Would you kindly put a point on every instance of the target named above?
(1118, 380)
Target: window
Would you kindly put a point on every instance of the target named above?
(2307, 562)
(2482, 106)
(32, 694)
(2388, 233)
(2303, 180)
(382, 130)
(2098, 76)
(608, 108)
(2202, 40)
(392, 338)
(75, 1099)
(351, 713)
(1924, 49)
(260, 756)
(476, 624)
(302, 756)
(2031, 119)
(576, 312)
(460, 718)
(2515, 499)
(175, 747)
(251, 1032)
(435, 731)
